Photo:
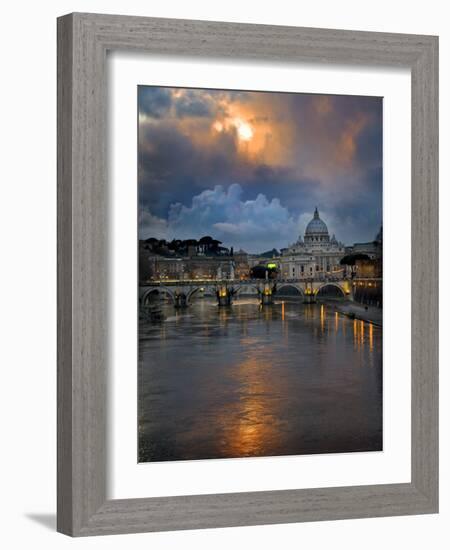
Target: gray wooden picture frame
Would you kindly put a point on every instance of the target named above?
(83, 41)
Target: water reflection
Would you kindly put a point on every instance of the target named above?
(251, 381)
(250, 422)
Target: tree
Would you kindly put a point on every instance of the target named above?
(207, 240)
(350, 259)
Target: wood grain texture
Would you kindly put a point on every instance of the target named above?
(83, 40)
(425, 267)
(64, 275)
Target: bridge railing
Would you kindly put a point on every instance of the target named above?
(212, 282)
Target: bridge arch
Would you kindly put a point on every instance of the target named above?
(298, 288)
(191, 293)
(241, 289)
(206, 288)
(159, 290)
(335, 285)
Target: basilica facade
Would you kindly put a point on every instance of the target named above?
(316, 255)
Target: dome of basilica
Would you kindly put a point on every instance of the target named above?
(316, 226)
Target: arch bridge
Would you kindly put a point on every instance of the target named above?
(181, 293)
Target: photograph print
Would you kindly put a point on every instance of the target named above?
(260, 273)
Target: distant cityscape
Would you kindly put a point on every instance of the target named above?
(316, 256)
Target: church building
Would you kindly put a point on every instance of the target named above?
(313, 256)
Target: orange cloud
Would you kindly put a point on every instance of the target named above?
(322, 104)
(346, 145)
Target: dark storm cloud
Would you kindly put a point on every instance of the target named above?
(172, 168)
(154, 102)
(192, 104)
(298, 150)
(369, 145)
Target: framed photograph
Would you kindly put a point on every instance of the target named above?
(247, 274)
(274, 328)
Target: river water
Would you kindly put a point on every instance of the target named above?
(248, 380)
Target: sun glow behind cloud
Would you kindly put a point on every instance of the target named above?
(299, 149)
(245, 131)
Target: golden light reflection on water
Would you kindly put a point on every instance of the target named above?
(268, 313)
(284, 323)
(361, 340)
(252, 423)
(223, 315)
(336, 322)
(322, 318)
(309, 312)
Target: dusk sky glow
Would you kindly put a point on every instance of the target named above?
(248, 168)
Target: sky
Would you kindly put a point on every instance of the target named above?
(248, 168)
